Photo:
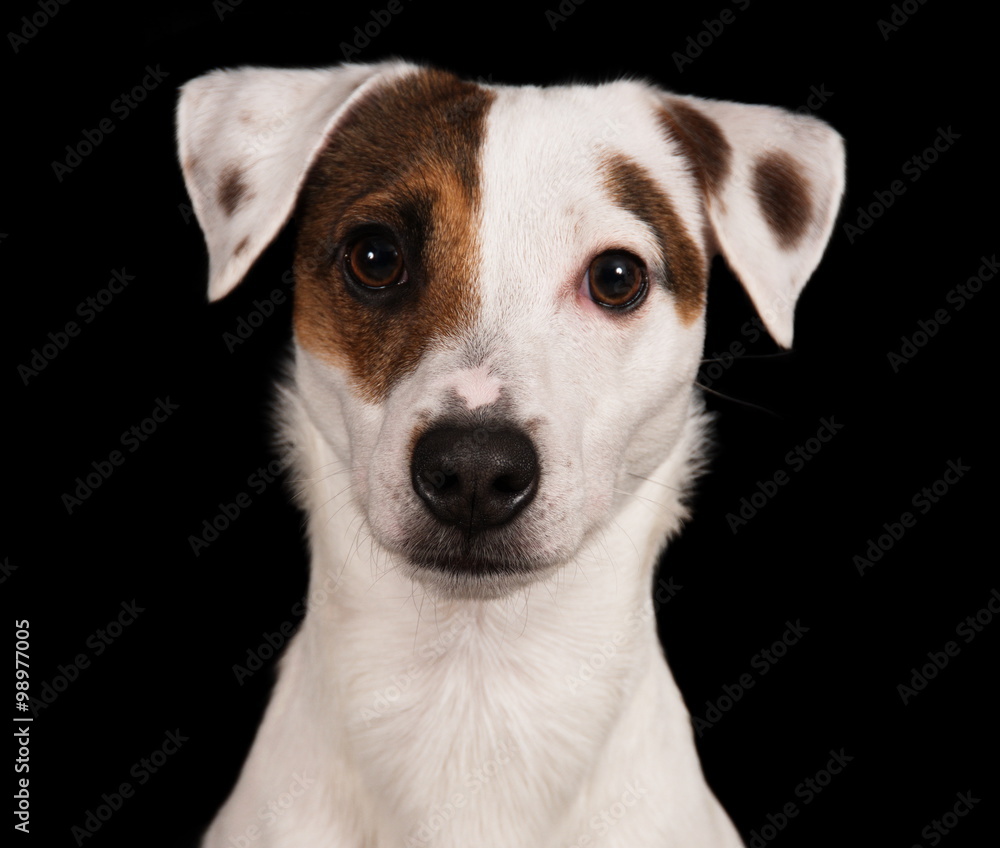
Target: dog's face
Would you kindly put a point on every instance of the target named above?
(500, 291)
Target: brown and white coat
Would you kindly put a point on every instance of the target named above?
(495, 685)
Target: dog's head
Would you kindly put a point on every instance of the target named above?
(500, 291)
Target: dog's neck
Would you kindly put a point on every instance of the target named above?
(429, 700)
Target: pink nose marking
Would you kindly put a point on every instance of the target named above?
(477, 387)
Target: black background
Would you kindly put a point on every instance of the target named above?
(122, 207)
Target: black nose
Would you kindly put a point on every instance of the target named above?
(474, 477)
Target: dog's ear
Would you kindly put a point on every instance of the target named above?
(247, 138)
(772, 182)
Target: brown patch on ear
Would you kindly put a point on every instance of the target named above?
(633, 189)
(702, 141)
(241, 246)
(784, 196)
(405, 160)
(233, 189)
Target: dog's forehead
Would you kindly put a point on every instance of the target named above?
(566, 126)
(572, 171)
(501, 190)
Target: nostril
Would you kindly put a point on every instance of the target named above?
(449, 482)
(430, 481)
(441, 480)
(510, 483)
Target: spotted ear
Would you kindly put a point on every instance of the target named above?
(247, 138)
(772, 182)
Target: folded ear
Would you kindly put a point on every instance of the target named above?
(247, 139)
(772, 182)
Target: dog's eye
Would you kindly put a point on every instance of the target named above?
(616, 280)
(375, 261)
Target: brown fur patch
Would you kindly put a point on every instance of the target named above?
(405, 159)
(784, 196)
(702, 141)
(233, 189)
(685, 275)
(241, 246)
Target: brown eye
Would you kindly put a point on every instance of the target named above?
(616, 279)
(374, 261)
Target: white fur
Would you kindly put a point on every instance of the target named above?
(411, 711)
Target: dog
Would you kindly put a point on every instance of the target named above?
(493, 418)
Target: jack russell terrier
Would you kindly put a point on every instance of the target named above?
(492, 412)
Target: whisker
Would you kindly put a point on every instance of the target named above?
(737, 400)
(657, 482)
(644, 498)
(776, 355)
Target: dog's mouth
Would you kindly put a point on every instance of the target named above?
(487, 563)
(471, 572)
(486, 554)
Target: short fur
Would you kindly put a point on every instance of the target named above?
(504, 688)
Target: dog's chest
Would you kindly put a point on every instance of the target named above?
(459, 719)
